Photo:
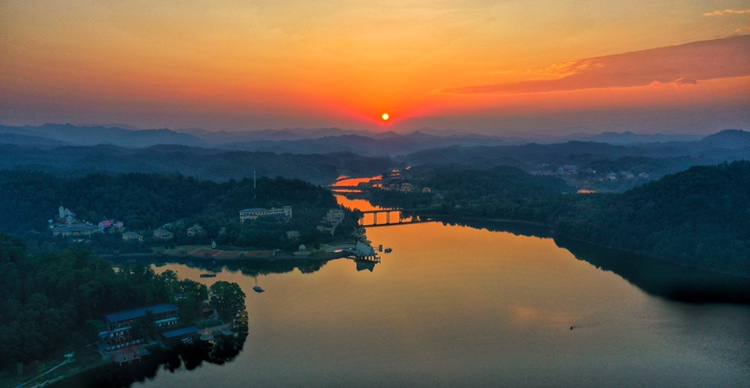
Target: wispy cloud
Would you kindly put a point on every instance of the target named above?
(685, 64)
(727, 12)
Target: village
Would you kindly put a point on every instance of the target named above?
(190, 239)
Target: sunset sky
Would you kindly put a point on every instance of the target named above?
(492, 67)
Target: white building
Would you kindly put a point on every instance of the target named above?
(335, 216)
(255, 213)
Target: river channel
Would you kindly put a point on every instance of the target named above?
(456, 305)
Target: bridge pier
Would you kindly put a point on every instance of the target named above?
(398, 219)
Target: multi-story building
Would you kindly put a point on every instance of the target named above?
(255, 213)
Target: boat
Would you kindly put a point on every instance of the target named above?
(388, 250)
(258, 289)
(208, 275)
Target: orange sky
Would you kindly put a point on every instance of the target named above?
(498, 67)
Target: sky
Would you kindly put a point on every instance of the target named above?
(545, 67)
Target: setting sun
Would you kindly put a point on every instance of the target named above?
(385, 116)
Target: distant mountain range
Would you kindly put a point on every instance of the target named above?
(730, 144)
(625, 138)
(68, 134)
(295, 140)
(68, 148)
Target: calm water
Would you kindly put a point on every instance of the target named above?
(455, 305)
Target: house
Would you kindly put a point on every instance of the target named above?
(64, 213)
(119, 323)
(185, 335)
(326, 229)
(77, 229)
(164, 314)
(255, 213)
(163, 234)
(130, 236)
(335, 216)
(111, 226)
(195, 230)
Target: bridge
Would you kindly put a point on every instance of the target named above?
(392, 217)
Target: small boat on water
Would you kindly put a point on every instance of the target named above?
(208, 275)
(259, 289)
(388, 250)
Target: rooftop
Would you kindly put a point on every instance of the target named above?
(141, 312)
(181, 332)
(252, 210)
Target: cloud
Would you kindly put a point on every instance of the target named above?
(685, 81)
(685, 64)
(727, 12)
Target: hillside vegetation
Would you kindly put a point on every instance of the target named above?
(145, 202)
(51, 302)
(699, 217)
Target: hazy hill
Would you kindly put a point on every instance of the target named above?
(388, 143)
(75, 135)
(627, 137)
(724, 145)
(28, 140)
(585, 164)
(733, 139)
(589, 163)
(218, 165)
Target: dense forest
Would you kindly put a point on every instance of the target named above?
(699, 217)
(145, 202)
(52, 303)
(475, 191)
(212, 164)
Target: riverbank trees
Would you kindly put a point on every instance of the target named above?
(52, 302)
(699, 217)
(145, 202)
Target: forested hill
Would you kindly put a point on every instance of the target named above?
(699, 217)
(146, 201)
(212, 164)
(51, 301)
(502, 181)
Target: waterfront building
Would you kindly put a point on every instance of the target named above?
(255, 213)
(165, 314)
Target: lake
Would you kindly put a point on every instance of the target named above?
(455, 305)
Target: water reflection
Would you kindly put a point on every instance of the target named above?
(461, 306)
(172, 360)
(655, 277)
(246, 267)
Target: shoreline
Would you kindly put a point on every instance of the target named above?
(553, 232)
(217, 255)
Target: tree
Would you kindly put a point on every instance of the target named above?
(193, 295)
(226, 298)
